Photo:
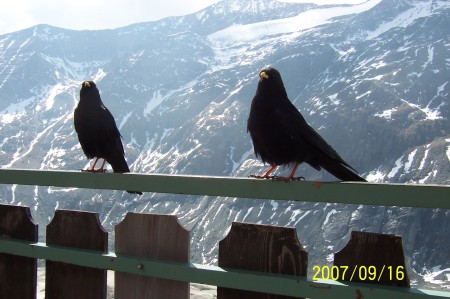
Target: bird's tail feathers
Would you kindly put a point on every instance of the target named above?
(119, 165)
(134, 192)
(342, 172)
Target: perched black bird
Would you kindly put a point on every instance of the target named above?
(281, 135)
(97, 131)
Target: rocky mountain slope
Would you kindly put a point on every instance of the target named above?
(372, 78)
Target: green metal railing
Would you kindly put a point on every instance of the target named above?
(423, 196)
(426, 196)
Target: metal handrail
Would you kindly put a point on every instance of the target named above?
(425, 196)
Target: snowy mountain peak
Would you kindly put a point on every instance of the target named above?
(229, 12)
(250, 6)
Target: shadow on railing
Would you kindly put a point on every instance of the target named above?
(151, 257)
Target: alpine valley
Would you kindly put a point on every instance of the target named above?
(372, 78)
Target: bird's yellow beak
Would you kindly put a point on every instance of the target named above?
(86, 84)
(264, 75)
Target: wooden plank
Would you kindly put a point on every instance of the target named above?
(80, 230)
(18, 275)
(373, 258)
(151, 236)
(261, 248)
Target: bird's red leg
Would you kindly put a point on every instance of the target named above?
(93, 165)
(291, 176)
(101, 169)
(267, 174)
(91, 169)
(271, 169)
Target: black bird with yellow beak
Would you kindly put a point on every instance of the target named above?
(281, 135)
(97, 131)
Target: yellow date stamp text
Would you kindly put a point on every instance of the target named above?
(358, 273)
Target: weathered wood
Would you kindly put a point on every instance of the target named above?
(18, 275)
(373, 258)
(80, 230)
(261, 248)
(151, 236)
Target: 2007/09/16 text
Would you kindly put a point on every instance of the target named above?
(360, 273)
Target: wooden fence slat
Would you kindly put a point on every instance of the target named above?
(262, 248)
(81, 230)
(18, 275)
(383, 253)
(151, 236)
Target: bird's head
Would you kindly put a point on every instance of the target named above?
(89, 92)
(270, 78)
(269, 74)
(88, 87)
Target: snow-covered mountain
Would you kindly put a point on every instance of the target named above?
(373, 79)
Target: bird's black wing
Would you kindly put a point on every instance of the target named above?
(99, 135)
(84, 122)
(111, 131)
(295, 126)
(114, 152)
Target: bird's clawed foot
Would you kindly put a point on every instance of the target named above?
(277, 178)
(261, 176)
(99, 170)
(92, 169)
(287, 179)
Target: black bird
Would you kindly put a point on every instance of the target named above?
(97, 131)
(281, 135)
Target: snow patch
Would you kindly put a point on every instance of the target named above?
(410, 160)
(124, 120)
(375, 176)
(99, 75)
(302, 22)
(18, 155)
(430, 57)
(387, 114)
(334, 100)
(424, 159)
(54, 92)
(78, 71)
(430, 276)
(420, 10)
(398, 165)
(378, 65)
(237, 165)
(330, 213)
(430, 114)
(448, 149)
(274, 205)
(363, 95)
(14, 111)
(301, 217)
(158, 98)
(248, 213)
